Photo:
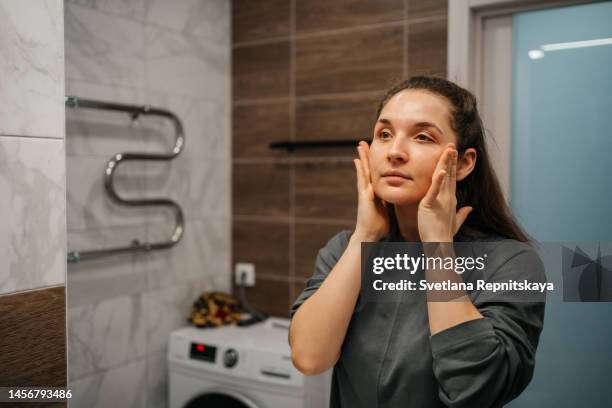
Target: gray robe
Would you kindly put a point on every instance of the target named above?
(388, 358)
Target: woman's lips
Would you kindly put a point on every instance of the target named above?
(395, 180)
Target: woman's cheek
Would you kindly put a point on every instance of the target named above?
(429, 166)
(378, 185)
(424, 178)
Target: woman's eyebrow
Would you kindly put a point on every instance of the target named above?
(418, 125)
(428, 124)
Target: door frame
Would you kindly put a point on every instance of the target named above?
(465, 23)
(465, 61)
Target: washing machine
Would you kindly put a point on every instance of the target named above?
(240, 367)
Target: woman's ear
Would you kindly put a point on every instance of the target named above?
(466, 163)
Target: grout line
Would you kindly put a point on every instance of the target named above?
(339, 31)
(298, 161)
(36, 289)
(340, 95)
(260, 101)
(322, 33)
(262, 218)
(429, 19)
(261, 160)
(327, 221)
(304, 98)
(282, 278)
(292, 133)
(349, 223)
(264, 41)
(273, 277)
(347, 30)
(33, 137)
(145, 167)
(66, 328)
(405, 42)
(325, 161)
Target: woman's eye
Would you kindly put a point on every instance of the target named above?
(384, 134)
(424, 137)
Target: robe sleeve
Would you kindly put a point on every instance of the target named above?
(489, 361)
(325, 261)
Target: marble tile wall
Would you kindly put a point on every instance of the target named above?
(174, 55)
(32, 193)
(32, 168)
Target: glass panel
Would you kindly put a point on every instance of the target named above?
(561, 189)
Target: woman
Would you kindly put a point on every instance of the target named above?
(426, 159)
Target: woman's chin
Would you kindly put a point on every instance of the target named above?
(398, 196)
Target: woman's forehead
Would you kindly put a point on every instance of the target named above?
(412, 106)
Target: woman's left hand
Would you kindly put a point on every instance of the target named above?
(438, 217)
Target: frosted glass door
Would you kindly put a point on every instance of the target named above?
(561, 183)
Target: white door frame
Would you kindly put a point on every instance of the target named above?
(465, 20)
(466, 58)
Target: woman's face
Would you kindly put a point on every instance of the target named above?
(410, 135)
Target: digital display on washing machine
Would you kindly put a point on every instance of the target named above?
(203, 352)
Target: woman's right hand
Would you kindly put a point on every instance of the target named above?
(372, 216)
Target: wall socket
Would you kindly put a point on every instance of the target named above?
(244, 268)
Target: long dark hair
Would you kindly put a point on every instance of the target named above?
(491, 215)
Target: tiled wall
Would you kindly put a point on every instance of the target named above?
(32, 194)
(169, 54)
(309, 70)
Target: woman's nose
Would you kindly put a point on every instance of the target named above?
(397, 152)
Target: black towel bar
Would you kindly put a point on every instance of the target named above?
(314, 144)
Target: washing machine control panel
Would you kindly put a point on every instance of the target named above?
(230, 358)
(208, 353)
(204, 352)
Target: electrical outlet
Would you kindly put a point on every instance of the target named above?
(247, 269)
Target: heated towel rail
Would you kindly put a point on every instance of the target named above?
(134, 111)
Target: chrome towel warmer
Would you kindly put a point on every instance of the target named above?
(134, 111)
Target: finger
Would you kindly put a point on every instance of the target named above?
(461, 216)
(453, 175)
(441, 165)
(360, 177)
(364, 153)
(446, 184)
(443, 160)
(434, 189)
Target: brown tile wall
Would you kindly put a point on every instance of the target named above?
(308, 70)
(33, 339)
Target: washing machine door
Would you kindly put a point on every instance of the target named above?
(221, 399)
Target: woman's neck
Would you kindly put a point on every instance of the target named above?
(407, 219)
